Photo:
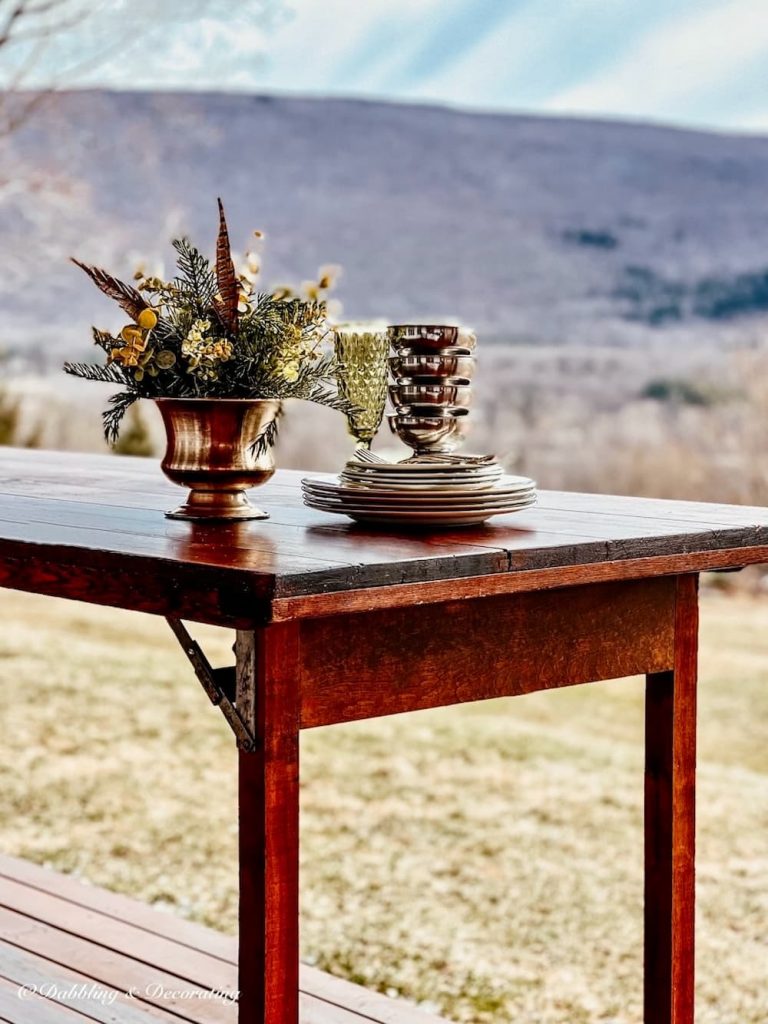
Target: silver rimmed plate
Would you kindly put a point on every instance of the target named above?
(365, 496)
(425, 471)
(420, 480)
(350, 510)
(421, 486)
(393, 500)
(422, 466)
(420, 520)
(447, 504)
(508, 485)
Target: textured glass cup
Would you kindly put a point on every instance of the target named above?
(361, 354)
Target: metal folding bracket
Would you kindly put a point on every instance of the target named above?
(218, 683)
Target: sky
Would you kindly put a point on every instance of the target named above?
(700, 63)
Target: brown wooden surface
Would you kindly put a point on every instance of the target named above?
(91, 527)
(54, 929)
(406, 659)
(670, 823)
(268, 700)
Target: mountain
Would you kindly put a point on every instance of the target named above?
(532, 229)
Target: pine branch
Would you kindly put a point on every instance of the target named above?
(323, 394)
(125, 295)
(112, 418)
(196, 283)
(325, 368)
(267, 438)
(226, 279)
(105, 340)
(109, 374)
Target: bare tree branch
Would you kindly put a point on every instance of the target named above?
(34, 31)
(24, 13)
(36, 23)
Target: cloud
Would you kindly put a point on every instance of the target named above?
(489, 71)
(670, 70)
(685, 61)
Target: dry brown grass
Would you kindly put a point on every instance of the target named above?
(484, 860)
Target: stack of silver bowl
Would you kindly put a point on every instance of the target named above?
(432, 368)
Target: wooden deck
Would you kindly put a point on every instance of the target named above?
(80, 951)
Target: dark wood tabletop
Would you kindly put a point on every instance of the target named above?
(91, 527)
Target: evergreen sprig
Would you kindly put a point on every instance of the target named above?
(195, 283)
(267, 438)
(109, 374)
(112, 418)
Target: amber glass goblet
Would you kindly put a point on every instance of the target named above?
(361, 356)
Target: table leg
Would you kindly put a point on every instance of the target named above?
(267, 696)
(670, 775)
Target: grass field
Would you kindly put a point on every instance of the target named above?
(485, 861)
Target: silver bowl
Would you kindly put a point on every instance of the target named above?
(425, 337)
(451, 350)
(437, 393)
(455, 382)
(430, 337)
(442, 365)
(438, 433)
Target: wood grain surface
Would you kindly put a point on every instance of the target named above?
(90, 527)
(55, 930)
(268, 701)
(406, 659)
(670, 823)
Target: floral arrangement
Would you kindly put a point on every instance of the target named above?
(209, 334)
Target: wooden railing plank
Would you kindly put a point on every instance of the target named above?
(324, 998)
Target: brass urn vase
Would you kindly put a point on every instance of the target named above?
(211, 450)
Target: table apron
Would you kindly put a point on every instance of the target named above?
(366, 665)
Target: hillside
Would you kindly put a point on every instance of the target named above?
(533, 229)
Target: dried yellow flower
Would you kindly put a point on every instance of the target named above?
(147, 319)
(328, 274)
(203, 352)
(165, 359)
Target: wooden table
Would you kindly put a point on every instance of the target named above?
(336, 623)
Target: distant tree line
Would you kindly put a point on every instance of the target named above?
(655, 300)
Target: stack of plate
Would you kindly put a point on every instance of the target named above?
(420, 493)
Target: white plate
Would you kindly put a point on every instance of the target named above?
(421, 488)
(340, 483)
(390, 503)
(414, 478)
(352, 487)
(433, 501)
(447, 469)
(421, 481)
(422, 519)
(345, 488)
(416, 493)
(421, 467)
(334, 506)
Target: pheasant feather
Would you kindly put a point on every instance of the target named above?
(125, 295)
(226, 279)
